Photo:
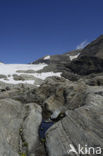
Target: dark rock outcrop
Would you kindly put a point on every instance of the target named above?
(86, 65)
(95, 48)
(90, 59)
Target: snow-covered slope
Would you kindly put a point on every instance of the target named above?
(7, 72)
(7, 69)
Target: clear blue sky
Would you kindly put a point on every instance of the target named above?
(30, 29)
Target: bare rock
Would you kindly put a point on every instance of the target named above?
(33, 118)
(18, 77)
(3, 76)
(10, 121)
(81, 126)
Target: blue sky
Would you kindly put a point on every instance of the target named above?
(30, 29)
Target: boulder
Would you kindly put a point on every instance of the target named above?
(10, 121)
(32, 121)
(3, 76)
(55, 102)
(75, 95)
(19, 125)
(27, 77)
(66, 95)
(80, 126)
(95, 81)
(18, 77)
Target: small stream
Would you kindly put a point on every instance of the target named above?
(43, 128)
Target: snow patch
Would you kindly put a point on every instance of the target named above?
(47, 57)
(74, 57)
(10, 69)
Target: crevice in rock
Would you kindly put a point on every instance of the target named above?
(44, 126)
(23, 145)
(65, 97)
(39, 149)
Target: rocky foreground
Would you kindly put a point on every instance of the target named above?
(73, 103)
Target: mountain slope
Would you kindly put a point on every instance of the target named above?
(57, 63)
(95, 48)
(90, 59)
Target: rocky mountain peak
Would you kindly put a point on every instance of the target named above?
(94, 49)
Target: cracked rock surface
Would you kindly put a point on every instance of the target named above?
(83, 126)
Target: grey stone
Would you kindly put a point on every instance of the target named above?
(10, 121)
(3, 76)
(18, 77)
(81, 126)
(25, 71)
(31, 125)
